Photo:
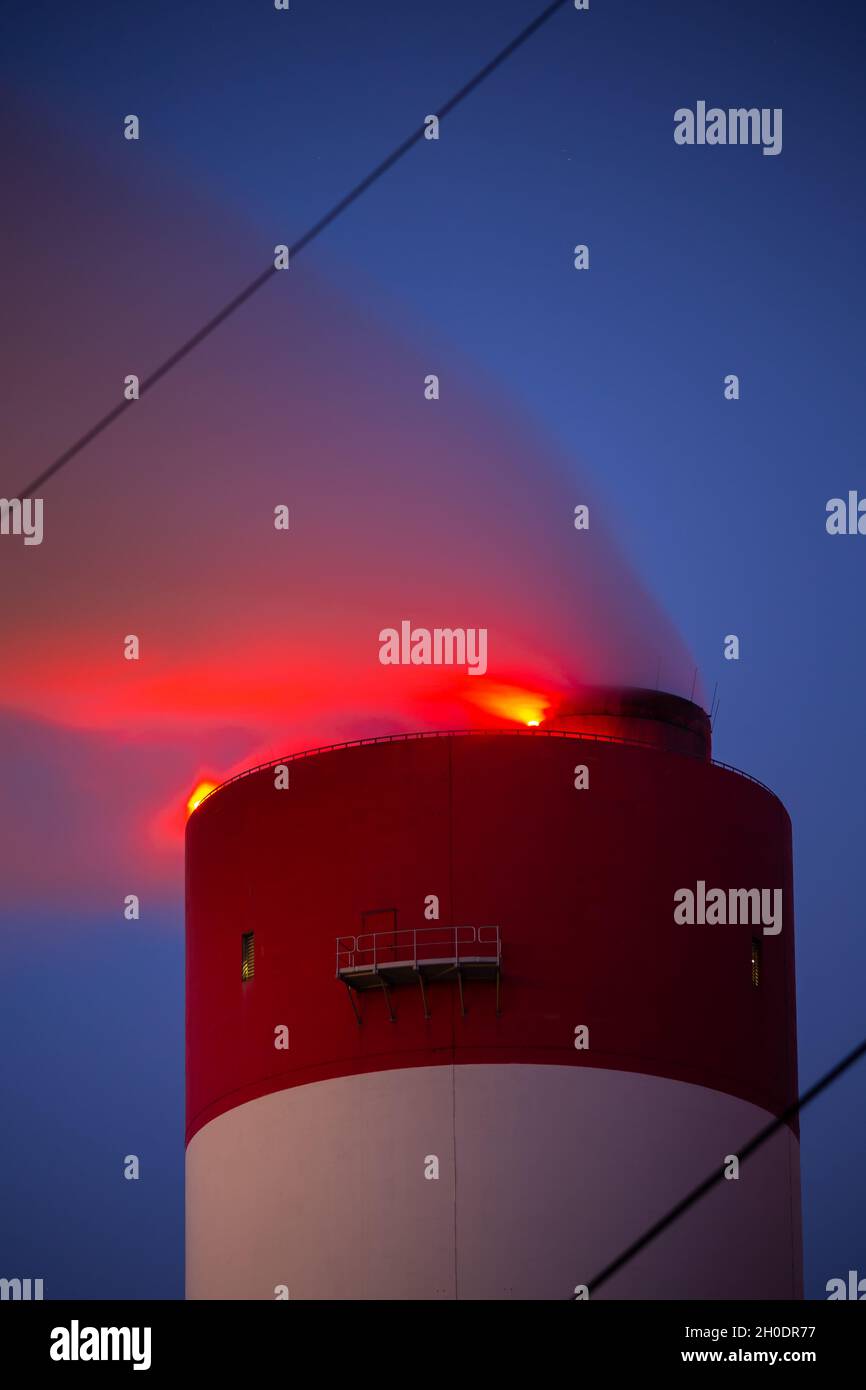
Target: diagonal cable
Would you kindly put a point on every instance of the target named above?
(717, 1176)
(310, 235)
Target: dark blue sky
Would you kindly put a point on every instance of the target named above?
(704, 262)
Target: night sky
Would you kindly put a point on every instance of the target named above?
(557, 387)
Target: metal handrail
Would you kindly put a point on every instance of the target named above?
(366, 944)
(486, 733)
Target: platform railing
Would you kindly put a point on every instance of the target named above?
(411, 945)
(476, 733)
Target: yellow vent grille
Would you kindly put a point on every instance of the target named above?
(248, 955)
(756, 962)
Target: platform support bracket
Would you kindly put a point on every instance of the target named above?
(423, 995)
(352, 1002)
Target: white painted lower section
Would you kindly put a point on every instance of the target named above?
(546, 1173)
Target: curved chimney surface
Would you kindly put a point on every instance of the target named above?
(652, 717)
(447, 1038)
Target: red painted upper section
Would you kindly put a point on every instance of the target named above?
(581, 884)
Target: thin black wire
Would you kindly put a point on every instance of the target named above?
(709, 1183)
(303, 241)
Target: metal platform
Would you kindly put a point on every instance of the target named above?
(392, 959)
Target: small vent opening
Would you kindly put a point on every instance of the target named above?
(248, 955)
(756, 962)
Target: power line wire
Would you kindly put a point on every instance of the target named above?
(717, 1176)
(310, 235)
